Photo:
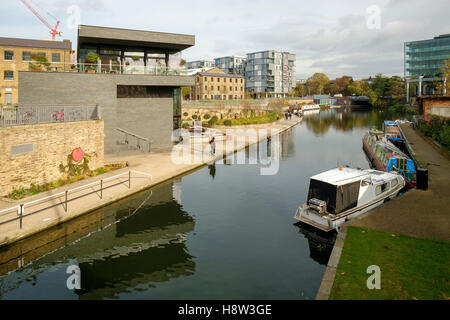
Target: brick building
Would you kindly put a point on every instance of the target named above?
(19, 54)
(215, 84)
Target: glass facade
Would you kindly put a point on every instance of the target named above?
(426, 58)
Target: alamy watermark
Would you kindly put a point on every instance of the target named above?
(373, 17)
(374, 281)
(264, 148)
(74, 280)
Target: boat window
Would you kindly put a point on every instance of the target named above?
(381, 189)
(325, 192)
(394, 183)
(347, 196)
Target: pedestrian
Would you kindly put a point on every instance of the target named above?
(212, 143)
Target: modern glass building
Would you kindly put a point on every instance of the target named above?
(232, 65)
(270, 73)
(426, 58)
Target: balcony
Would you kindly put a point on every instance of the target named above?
(109, 69)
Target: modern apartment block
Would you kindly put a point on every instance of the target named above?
(216, 84)
(232, 64)
(270, 73)
(200, 64)
(133, 76)
(20, 55)
(426, 58)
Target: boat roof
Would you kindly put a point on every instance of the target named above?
(343, 176)
(390, 123)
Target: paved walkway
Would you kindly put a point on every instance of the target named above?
(418, 213)
(161, 166)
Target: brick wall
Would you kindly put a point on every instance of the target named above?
(51, 144)
(438, 106)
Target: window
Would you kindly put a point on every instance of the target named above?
(218, 79)
(206, 87)
(206, 97)
(231, 80)
(212, 79)
(206, 79)
(381, 189)
(242, 81)
(236, 88)
(236, 80)
(9, 55)
(231, 88)
(9, 75)
(56, 57)
(26, 56)
(8, 98)
(212, 87)
(218, 88)
(394, 183)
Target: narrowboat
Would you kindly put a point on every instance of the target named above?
(342, 194)
(393, 134)
(385, 156)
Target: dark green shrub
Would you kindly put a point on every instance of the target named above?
(227, 123)
(444, 136)
(185, 114)
(186, 126)
(206, 116)
(213, 121)
(194, 117)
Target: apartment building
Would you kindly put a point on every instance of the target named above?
(215, 84)
(200, 64)
(21, 55)
(270, 73)
(232, 64)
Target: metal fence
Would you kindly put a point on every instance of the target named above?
(35, 114)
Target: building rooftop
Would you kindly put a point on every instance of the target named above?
(30, 43)
(171, 42)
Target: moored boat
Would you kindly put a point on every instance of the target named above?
(385, 156)
(393, 134)
(342, 194)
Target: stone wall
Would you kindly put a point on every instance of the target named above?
(33, 153)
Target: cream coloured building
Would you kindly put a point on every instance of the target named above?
(215, 84)
(17, 55)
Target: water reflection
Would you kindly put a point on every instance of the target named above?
(346, 120)
(320, 244)
(119, 248)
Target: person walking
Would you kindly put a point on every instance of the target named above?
(212, 143)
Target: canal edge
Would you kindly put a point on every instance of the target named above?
(330, 273)
(179, 173)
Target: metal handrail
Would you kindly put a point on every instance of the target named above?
(21, 208)
(139, 138)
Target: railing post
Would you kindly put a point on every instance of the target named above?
(67, 191)
(21, 210)
(129, 179)
(101, 189)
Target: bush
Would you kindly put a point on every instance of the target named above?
(206, 116)
(194, 117)
(227, 123)
(185, 114)
(213, 121)
(444, 136)
(186, 126)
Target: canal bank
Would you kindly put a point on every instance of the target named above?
(414, 217)
(160, 166)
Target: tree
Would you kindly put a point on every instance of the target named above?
(340, 85)
(446, 75)
(358, 88)
(300, 90)
(182, 62)
(319, 83)
(39, 62)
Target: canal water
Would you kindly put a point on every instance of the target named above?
(222, 232)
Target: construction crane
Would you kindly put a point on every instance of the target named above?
(53, 31)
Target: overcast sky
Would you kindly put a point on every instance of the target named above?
(335, 37)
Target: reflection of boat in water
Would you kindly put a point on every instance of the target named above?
(320, 244)
(342, 194)
(384, 156)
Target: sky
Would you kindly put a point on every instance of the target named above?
(337, 37)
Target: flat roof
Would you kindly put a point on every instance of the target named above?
(115, 37)
(343, 176)
(41, 44)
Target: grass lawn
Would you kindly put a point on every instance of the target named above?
(410, 268)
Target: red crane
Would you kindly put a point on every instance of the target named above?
(53, 31)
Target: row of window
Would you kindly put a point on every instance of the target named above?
(224, 87)
(220, 97)
(224, 80)
(26, 56)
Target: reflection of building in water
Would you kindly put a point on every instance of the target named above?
(177, 190)
(287, 144)
(320, 245)
(145, 246)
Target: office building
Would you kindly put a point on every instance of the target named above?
(200, 64)
(232, 64)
